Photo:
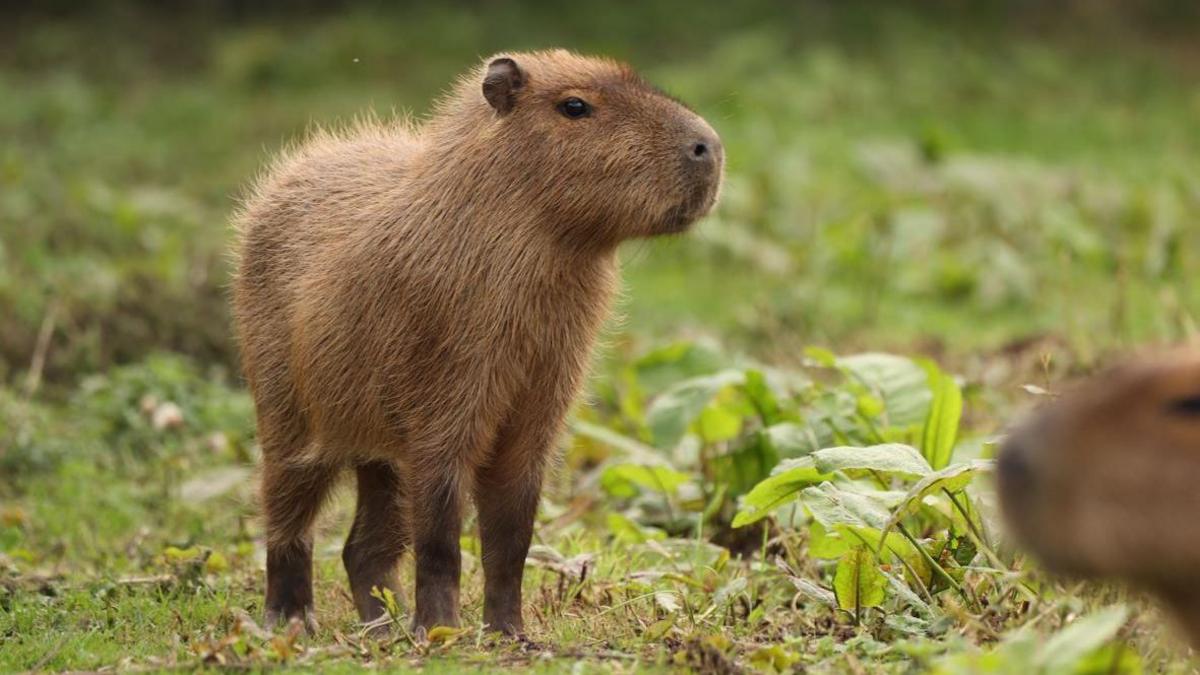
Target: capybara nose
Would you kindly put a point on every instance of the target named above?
(705, 149)
(1014, 472)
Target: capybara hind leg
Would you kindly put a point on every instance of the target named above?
(377, 538)
(292, 495)
(436, 524)
(507, 491)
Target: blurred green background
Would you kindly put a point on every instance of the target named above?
(952, 175)
(1011, 188)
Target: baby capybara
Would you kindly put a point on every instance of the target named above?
(419, 303)
(1105, 481)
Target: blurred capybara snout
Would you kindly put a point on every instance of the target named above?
(1105, 481)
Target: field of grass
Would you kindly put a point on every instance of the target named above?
(783, 461)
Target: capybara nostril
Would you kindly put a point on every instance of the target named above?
(706, 149)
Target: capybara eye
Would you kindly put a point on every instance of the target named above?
(1188, 405)
(575, 108)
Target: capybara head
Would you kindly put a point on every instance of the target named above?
(587, 144)
(1105, 481)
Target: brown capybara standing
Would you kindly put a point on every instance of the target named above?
(1105, 481)
(419, 303)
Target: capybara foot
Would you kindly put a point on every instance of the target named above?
(276, 617)
(373, 614)
(506, 622)
(428, 618)
(364, 587)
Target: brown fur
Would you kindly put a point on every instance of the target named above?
(1105, 481)
(420, 303)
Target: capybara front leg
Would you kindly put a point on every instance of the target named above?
(377, 538)
(507, 505)
(436, 525)
(292, 495)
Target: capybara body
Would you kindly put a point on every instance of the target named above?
(419, 303)
(1105, 481)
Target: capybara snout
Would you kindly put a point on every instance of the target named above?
(418, 304)
(702, 164)
(703, 160)
(1105, 481)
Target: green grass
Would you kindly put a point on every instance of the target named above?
(1015, 204)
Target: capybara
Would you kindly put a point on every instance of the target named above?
(1105, 481)
(419, 302)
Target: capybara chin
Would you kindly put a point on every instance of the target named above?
(1105, 481)
(419, 303)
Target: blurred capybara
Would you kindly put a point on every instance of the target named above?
(1105, 481)
(419, 303)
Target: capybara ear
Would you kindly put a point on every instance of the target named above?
(503, 80)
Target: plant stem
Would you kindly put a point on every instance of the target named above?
(978, 537)
(936, 566)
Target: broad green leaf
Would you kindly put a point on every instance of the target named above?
(661, 368)
(625, 530)
(832, 506)
(781, 487)
(676, 408)
(829, 544)
(909, 596)
(888, 546)
(789, 439)
(759, 392)
(1083, 636)
(889, 459)
(633, 449)
(741, 469)
(858, 582)
(941, 424)
(825, 543)
(622, 480)
(1113, 657)
(900, 383)
(869, 406)
(631, 398)
(666, 354)
(952, 479)
(830, 421)
(814, 592)
(906, 624)
(821, 356)
(718, 423)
